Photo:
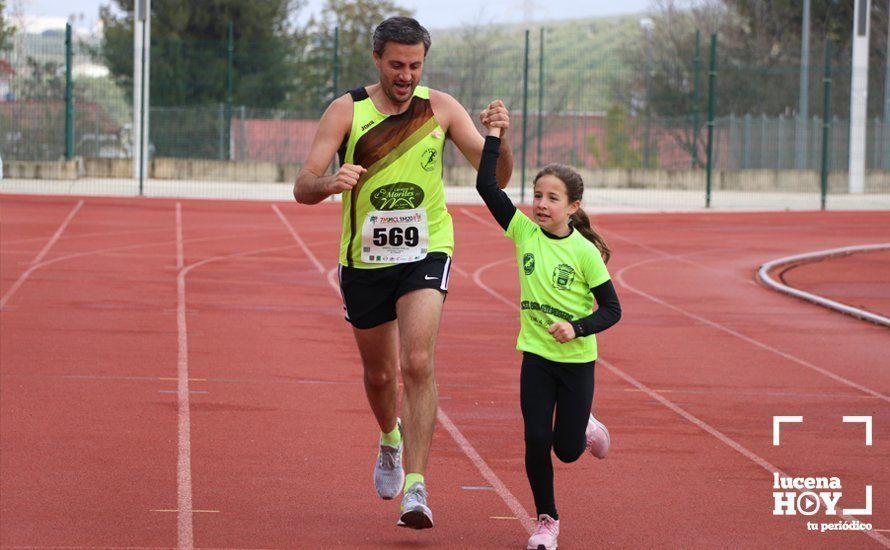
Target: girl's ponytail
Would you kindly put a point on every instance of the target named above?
(581, 223)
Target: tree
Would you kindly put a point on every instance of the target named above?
(6, 30)
(462, 64)
(758, 55)
(758, 60)
(617, 148)
(355, 21)
(780, 25)
(44, 80)
(189, 42)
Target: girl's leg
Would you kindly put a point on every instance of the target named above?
(574, 396)
(537, 396)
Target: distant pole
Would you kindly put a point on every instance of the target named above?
(647, 25)
(859, 96)
(335, 82)
(886, 121)
(335, 70)
(695, 97)
(524, 117)
(69, 95)
(804, 101)
(826, 121)
(712, 104)
(540, 94)
(230, 70)
(141, 64)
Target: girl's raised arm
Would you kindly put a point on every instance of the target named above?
(498, 203)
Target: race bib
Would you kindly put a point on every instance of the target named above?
(395, 236)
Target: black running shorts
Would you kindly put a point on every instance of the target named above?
(370, 295)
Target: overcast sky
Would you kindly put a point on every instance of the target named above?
(431, 13)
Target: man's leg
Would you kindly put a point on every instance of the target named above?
(379, 349)
(419, 313)
(418, 317)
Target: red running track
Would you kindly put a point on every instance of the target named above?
(178, 374)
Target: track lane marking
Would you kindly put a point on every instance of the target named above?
(35, 263)
(619, 277)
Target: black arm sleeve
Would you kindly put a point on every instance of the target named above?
(607, 313)
(498, 203)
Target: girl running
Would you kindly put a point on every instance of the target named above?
(561, 262)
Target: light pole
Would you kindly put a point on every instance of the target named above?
(141, 80)
(859, 95)
(886, 139)
(803, 107)
(647, 25)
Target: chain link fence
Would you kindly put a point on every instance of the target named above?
(598, 113)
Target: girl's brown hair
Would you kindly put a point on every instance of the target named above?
(575, 190)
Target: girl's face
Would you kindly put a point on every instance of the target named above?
(551, 208)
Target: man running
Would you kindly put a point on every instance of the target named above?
(397, 240)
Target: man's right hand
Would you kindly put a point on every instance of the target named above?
(346, 178)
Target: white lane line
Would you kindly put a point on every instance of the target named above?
(619, 277)
(511, 501)
(184, 470)
(101, 251)
(480, 219)
(180, 255)
(667, 256)
(685, 258)
(763, 275)
(297, 238)
(184, 462)
(723, 438)
(477, 278)
(35, 263)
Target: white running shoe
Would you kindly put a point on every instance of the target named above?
(415, 512)
(389, 476)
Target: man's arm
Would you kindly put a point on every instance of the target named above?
(312, 186)
(467, 138)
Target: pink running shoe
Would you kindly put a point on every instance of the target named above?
(598, 439)
(544, 537)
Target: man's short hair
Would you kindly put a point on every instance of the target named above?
(404, 30)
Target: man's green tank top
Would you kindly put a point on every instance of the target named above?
(396, 213)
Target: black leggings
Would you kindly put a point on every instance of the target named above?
(543, 386)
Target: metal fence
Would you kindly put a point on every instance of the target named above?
(595, 113)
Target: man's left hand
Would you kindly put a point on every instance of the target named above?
(496, 115)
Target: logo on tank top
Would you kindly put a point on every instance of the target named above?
(428, 159)
(368, 125)
(563, 276)
(397, 196)
(528, 263)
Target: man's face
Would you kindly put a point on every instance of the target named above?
(400, 68)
